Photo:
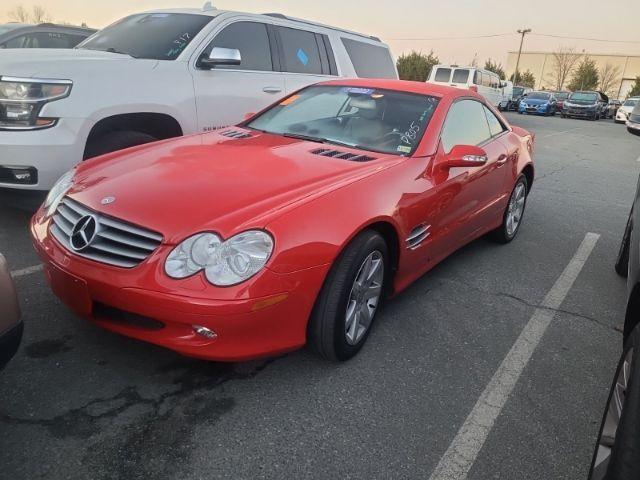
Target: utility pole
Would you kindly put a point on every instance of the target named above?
(522, 32)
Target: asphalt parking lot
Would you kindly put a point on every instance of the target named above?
(78, 402)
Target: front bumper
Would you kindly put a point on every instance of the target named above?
(265, 316)
(621, 117)
(633, 127)
(579, 113)
(535, 110)
(46, 154)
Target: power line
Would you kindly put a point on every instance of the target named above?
(584, 38)
(454, 38)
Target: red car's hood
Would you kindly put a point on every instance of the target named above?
(210, 182)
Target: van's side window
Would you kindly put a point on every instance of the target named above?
(370, 61)
(477, 77)
(301, 52)
(466, 124)
(251, 39)
(443, 75)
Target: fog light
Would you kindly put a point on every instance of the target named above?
(205, 332)
(18, 176)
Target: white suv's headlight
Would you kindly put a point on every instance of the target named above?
(57, 193)
(22, 99)
(225, 263)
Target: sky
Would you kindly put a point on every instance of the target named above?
(421, 25)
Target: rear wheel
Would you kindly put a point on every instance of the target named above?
(617, 453)
(512, 218)
(116, 140)
(348, 302)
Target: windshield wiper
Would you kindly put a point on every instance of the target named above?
(308, 138)
(108, 50)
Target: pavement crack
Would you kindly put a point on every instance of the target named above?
(530, 304)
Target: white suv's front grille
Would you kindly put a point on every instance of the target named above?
(103, 239)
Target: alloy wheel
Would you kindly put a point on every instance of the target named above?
(612, 420)
(364, 297)
(516, 209)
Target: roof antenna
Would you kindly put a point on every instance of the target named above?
(208, 7)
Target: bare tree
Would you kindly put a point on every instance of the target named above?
(37, 15)
(40, 15)
(609, 79)
(564, 62)
(19, 14)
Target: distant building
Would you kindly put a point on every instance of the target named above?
(541, 64)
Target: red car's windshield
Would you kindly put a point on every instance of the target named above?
(370, 119)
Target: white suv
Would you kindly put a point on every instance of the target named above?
(157, 75)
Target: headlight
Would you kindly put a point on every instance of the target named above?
(57, 193)
(22, 99)
(224, 263)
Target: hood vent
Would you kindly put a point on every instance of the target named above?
(327, 152)
(236, 134)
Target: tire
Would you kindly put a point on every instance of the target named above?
(116, 140)
(618, 435)
(562, 115)
(504, 233)
(622, 262)
(327, 331)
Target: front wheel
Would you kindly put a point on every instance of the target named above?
(622, 262)
(512, 218)
(348, 302)
(617, 453)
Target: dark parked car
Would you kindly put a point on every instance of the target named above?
(45, 35)
(633, 122)
(585, 104)
(561, 96)
(617, 453)
(10, 324)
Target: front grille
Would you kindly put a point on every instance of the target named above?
(115, 242)
(326, 152)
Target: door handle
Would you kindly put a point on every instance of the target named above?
(272, 90)
(502, 159)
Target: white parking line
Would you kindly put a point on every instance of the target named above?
(26, 271)
(463, 451)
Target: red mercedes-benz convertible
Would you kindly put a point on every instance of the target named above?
(288, 228)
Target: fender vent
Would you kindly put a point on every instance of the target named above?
(235, 134)
(327, 152)
(417, 236)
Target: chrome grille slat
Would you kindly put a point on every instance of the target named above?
(116, 242)
(65, 225)
(114, 236)
(125, 227)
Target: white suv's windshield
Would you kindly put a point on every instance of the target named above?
(383, 121)
(632, 102)
(158, 36)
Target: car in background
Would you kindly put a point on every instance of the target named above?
(584, 104)
(561, 96)
(157, 75)
(44, 35)
(538, 103)
(10, 324)
(262, 268)
(484, 82)
(633, 122)
(517, 95)
(617, 452)
(611, 108)
(625, 109)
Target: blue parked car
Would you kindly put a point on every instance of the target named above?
(538, 103)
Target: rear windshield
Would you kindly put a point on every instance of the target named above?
(370, 61)
(561, 95)
(584, 96)
(460, 75)
(157, 36)
(443, 75)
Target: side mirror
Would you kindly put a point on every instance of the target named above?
(220, 56)
(465, 156)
